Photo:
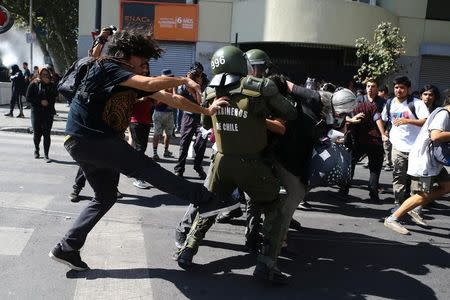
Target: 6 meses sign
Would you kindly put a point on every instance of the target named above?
(6, 20)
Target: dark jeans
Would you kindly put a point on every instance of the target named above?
(102, 159)
(139, 134)
(375, 154)
(80, 180)
(16, 98)
(190, 125)
(42, 123)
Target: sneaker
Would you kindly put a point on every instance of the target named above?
(167, 153)
(226, 217)
(217, 205)
(253, 243)
(304, 205)
(69, 258)
(47, 159)
(20, 115)
(388, 168)
(272, 275)
(75, 196)
(395, 225)
(179, 174)
(374, 197)
(200, 173)
(185, 257)
(180, 238)
(155, 157)
(8, 115)
(36, 154)
(119, 195)
(417, 218)
(141, 184)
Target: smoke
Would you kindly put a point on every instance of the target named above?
(15, 50)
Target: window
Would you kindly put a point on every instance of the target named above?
(438, 10)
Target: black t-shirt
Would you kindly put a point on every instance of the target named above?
(108, 109)
(183, 91)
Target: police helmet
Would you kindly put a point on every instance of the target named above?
(230, 60)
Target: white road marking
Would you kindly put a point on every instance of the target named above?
(24, 200)
(13, 240)
(116, 253)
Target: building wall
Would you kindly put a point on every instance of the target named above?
(307, 21)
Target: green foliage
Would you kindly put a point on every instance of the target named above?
(380, 56)
(55, 23)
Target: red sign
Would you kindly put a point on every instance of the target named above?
(6, 20)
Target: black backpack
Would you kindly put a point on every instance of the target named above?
(72, 80)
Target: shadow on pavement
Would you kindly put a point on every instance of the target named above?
(330, 265)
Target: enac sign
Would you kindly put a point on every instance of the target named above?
(176, 23)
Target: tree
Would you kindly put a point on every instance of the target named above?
(380, 56)
(55, 23)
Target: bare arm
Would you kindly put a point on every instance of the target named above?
(380, 125)
(276, 126)
(403, 121)
(182, 103)
(153, 84)
(440, 136)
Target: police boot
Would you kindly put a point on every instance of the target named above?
(266, 268)
(184, 258)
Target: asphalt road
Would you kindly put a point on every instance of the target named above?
(342, 252)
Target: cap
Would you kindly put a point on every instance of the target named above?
(167, 73)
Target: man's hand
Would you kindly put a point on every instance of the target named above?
(357, 118)
(401, 121)
(194, 88)
(44, 103)
(217, 104)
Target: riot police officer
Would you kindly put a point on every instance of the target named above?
(240, 132)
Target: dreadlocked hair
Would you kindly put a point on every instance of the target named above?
(127, 43)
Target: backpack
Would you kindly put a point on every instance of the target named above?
(439, 151)
(72, 80)
(412, 108)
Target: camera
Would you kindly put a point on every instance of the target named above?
(112, 29)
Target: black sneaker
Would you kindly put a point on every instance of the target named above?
(272, 275)
(75, 196)
(200, 173)
(179, 174)
(217, 205)
(47, 159)
(253, 243)
(185, 257)
(295, 225)
(69, 258)
(8, 115)
(20, 115)
(180, 238)
(36, 154)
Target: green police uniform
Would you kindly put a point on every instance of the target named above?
(240, 132)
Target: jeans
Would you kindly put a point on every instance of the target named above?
(139, 133)
(16, 98)
(80, 180)
(102, 159)
(189, 126)
(375, 154)
(42, 123)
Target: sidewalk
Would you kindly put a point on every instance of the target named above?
(23, 125)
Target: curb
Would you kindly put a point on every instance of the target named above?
(29, 130)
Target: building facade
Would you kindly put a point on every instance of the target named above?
(305, 38)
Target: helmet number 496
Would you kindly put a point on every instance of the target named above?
(217, 62)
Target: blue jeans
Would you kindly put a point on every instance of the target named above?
(102, 160)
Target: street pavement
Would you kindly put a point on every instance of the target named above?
(342, 252)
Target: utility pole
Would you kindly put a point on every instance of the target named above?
(31, 33)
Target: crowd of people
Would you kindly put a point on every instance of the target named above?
(269, 135)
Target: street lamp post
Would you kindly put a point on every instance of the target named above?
(31, 33)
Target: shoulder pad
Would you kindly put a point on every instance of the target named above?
(251, 86)
(209, 94)
(269, 88)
